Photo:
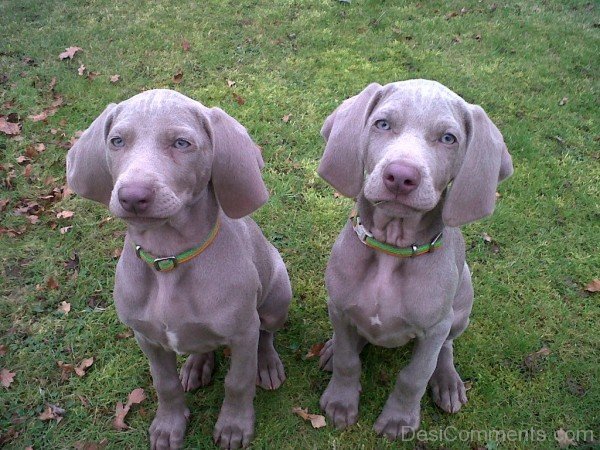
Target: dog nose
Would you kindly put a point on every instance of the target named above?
(135, 199)
(401, 178)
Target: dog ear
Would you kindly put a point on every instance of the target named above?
(472, 194)
(342, 163)
(87, 168)
(237, 161)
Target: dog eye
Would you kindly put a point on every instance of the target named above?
(382, 124)
(448, 138)
(182, 143)
(117, 142)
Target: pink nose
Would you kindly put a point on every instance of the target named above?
(135, 199)
(401, 178)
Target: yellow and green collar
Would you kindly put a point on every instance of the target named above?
(170, 262)
(400, 252)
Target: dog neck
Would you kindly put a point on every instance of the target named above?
(188, 228)
(418, 229)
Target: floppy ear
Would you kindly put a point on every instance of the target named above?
(342, 163)
(237, 161)
(472, 194)
(87, 169)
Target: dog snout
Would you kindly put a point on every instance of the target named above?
(135, 199)
(401, 178)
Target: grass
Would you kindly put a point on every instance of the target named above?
(517, 59)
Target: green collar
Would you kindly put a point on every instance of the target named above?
(170, 262)
(400, 252)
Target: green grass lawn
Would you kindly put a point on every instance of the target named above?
(533, 66)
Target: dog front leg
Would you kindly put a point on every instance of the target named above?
(401, 414)
(168, 427)
(340, 399)
(235, 425)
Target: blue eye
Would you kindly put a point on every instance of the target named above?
(383, 124)
(182, 143)
(448, 139)
(117, 142)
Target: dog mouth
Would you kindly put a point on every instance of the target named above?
(143, 220)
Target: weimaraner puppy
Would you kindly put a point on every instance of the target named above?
(420, 162)
(195, 273)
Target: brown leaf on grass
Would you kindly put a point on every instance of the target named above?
(33, 219)
(72, 263)
(315, 350)
(115, 78)
(27, 170)
(64, 307)
(3, 349)
(52, 84)
(51, 283)
(116, 254)
(563, 101)
(3, 203)
(593, 286)
(238, 98)
(178, 77)
(12, 232)
(65, 214)
(533, 360)
(92, 75)
(230, 83)
(563, 439)
(185, 45)
(81, 70)
(316, 420)
(65, 370)
(64, 230)
(52, 412)
(9, 128)
(477, 37)
(451, 14)
(83, 366)
(6, 377)
(69, 52)
(49, 111)
(486, 237)
(136, 396)
(286, 118)
(22, 159)
(125, 334)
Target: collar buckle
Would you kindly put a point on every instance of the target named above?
(171, 260)
(360, 230)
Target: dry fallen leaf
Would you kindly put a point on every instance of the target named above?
(532, 361)
(52, 412)
(486, 237)
(6, 377)
(136, 396)
(92, 75)
(238, 98)
(64, 230)
(563, 101)
(230, 83)
(85, 445)
(65, 215)
(83, 365)
(316, 420)
(9, 128)
(185, 45)
(593, 286)
(315, 350)
(51, 283)
(178, 77)
(33, 219)
(69, 52)
(27, 170)
(3, 349)
(286, 118)
(115, 78)
(49, 111)
(64, 307)
(563, 439)
(81, 70)
(125, 334)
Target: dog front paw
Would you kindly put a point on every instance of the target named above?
(340, 404)
(234, 429)
(394, 422)
(448, 390)
(168, 429)
(197, 371)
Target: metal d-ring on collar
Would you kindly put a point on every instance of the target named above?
(402, 252)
